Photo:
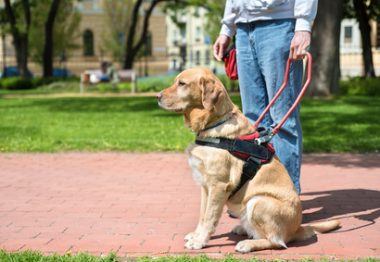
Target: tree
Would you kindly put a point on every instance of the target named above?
(20, 31)
(64, 34)
(137, 31)
(117, 18)
(325, 48)
(49, 43)
(135, 40)
(364, 11)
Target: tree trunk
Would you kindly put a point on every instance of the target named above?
(132, 50)
(20, 39)
(365, 32)
(22, 55)
(47, 56)
(129, 55)
(325, 48)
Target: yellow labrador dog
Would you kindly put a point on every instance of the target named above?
(268, 205)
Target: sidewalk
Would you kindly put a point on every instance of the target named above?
(144, 204)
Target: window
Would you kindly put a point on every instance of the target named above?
(197, 57)
(174, 64)
(207, 57)
(183, 31)
(148, 44)
(88, 43)
(198, 34)
(347, 34)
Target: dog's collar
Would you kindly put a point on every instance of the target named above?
(218, 123)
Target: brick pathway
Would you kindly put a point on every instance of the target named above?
(143, 204)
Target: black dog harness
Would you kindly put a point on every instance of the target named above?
(247, 148)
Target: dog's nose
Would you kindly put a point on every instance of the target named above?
(159, 96)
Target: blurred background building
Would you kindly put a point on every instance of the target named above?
(351, 48)
(172, 44)
(187, 42)
(90, 51)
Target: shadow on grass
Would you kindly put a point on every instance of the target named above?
(89, 104)
(100, 104)
(351, 122)
(363, 204)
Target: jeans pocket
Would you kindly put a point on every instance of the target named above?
(259, 5)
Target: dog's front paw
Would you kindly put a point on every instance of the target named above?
(244, 246)
(195, 244)
(239, 230)
(190, 236)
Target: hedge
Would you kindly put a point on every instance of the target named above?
(360, 86)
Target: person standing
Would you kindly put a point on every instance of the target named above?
(267, 33)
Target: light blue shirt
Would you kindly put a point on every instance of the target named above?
(246, 11)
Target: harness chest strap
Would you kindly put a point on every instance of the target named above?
(253, 154)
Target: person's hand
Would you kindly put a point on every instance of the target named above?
(299, 44)
(220, 46)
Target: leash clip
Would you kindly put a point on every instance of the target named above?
(264, 139)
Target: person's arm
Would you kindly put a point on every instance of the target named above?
(228, 21)
(227, 31)
(305, 12)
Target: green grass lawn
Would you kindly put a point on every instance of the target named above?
(48, 124)
(29, 256)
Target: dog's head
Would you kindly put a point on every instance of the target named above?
(199, 95)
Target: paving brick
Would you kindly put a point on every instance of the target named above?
(98, 202)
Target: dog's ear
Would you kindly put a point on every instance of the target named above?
(211, 93)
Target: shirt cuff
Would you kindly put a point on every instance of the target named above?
(303, 24)
(228, 31)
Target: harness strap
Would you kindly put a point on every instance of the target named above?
(250, 168)
(236, 145)
(257, 154)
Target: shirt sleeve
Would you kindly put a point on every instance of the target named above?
(305, 12)
(228, 21)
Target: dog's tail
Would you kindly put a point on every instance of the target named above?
(305, 232)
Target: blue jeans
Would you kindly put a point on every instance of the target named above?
(262, 52)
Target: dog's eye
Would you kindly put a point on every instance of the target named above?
(181, 83)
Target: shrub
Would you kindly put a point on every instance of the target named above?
(154, 84)
(361, 86)
(17, 83)
(230, 85)
(105, 87)
(126, 86)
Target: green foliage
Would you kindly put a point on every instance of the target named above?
(38, 84)
(230, 85)
(65, 29)
(361, 86)
(117, 18)
(16, 83)
(372, 9)
(153, 84)
(124, 87)
(31, 256)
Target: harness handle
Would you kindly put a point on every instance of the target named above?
(296, 102)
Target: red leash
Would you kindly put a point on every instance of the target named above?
(283, 86)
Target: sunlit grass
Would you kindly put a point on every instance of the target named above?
(346, 124)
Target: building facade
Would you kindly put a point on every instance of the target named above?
(351, 60)
(188, 42)
(91, 51)
(175, 45)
